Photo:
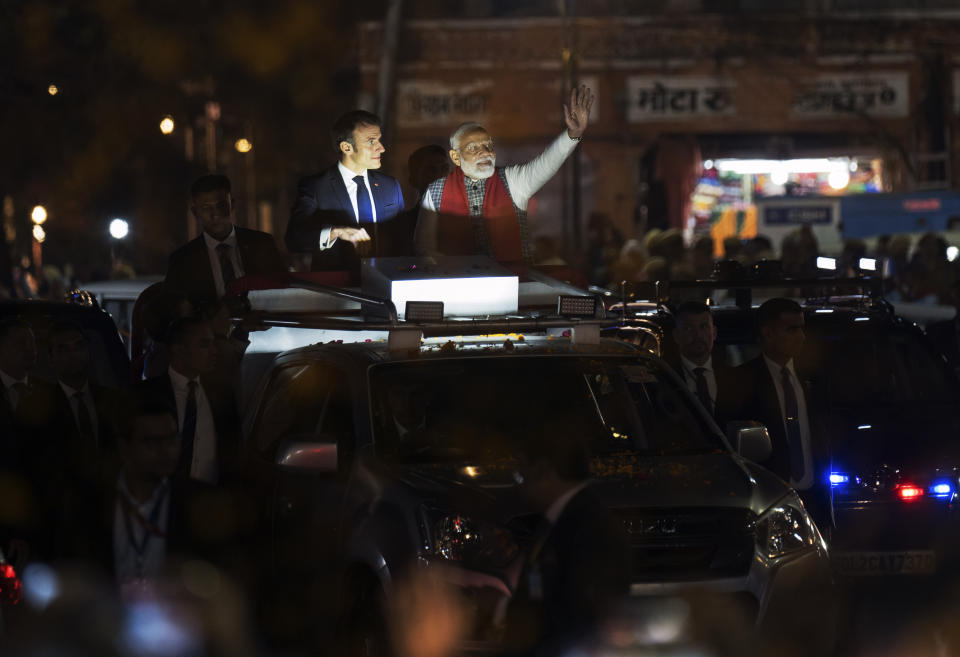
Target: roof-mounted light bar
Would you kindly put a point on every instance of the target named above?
(576, 306)
(423, 311)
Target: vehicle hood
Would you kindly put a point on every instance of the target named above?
(622, 481)
(920, 439)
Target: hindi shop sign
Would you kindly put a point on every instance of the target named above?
(427, 103)
(874, 94)
(653, 98)
(798, 215)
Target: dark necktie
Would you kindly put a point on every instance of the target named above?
(189, 431)
(20, 388)
(84, 422)
(703, 390)
(792, 412)
(364, 210)
(226, 265)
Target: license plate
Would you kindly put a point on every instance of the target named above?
(912, 562)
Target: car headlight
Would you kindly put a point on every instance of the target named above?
(785, 528)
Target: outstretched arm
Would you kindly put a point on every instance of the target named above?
(526, 179)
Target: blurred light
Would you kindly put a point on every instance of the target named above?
(802, 165)
(853, 166)
(836, 479)
(243, 145)
(39, 233)
(38, 215)
(868, 264)
(708, 164)
(167, 125)
(909, 492)
(471, 471)
(823, 311)
(941, 489)
(826, 263)
(53, 90)
(952, 253)
(119, 228)
(863, 427)
(779, 177)
(838, 179)
(155, 629)
(41, 586)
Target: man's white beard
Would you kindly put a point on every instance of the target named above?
(471, 170)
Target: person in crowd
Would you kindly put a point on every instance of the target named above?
(480, 209)
(18, 354)
(695, 335)
(425, 165)
(161, 306)
(578, 568)
(206, 413)
(202, 268)
(604, 242)
(346, 212)
(932, 276)
(945, 334)
(230, 343)
(146, 515)
(701, 257)
(768, 389)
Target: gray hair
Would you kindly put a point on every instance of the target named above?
(461, 131)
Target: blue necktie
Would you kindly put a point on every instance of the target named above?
(792, 411)
(364, 210)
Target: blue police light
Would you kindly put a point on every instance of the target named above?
(941, 489)
(838, 479)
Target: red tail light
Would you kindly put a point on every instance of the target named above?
(10, 588)
(909, 492)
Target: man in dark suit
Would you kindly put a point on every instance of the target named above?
(202, 268)
(945, 334)
(695, 335)
(768, 390)
(578, 568)
(347, 211)
(206, 412)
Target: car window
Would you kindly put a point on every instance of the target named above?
(306, 402)
(920, 374)
(482, 408)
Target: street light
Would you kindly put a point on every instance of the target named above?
(38, 215)
(167, 125)
(119, 228)
(53, 90)
(243, 145)
(39, 233)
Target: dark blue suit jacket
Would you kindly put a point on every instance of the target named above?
(323, 202)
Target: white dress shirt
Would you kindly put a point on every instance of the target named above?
(523, 180)
(138, 555)
(690, 377)
(8, 382)
(203, 466)
(777, 376)
(212, 244)
(75, 404)
(351, 185)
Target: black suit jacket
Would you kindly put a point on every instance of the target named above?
(755, 398)
(571, 583)
(225, 417)
(323, 202)
(724, 379)
(189, 272)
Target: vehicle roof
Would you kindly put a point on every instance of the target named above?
(129, 288)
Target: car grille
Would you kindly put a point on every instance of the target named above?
(683, 544)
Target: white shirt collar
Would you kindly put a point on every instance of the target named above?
(70, 392)
(179, 380)
(559, 504)
(9, 380)
(773, 366)
(349, 175)
(212, 243)
(690, 366)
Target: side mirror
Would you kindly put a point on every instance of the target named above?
(751, 440)
(318, 457)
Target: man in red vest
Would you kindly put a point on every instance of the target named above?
(481, 209)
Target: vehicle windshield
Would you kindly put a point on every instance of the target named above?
(482, 408)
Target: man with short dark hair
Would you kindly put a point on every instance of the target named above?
(202, 268)
(695, 335)
(769, 390)
(206, 413)
(18, 354)
(481, 209)
(345, 212)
